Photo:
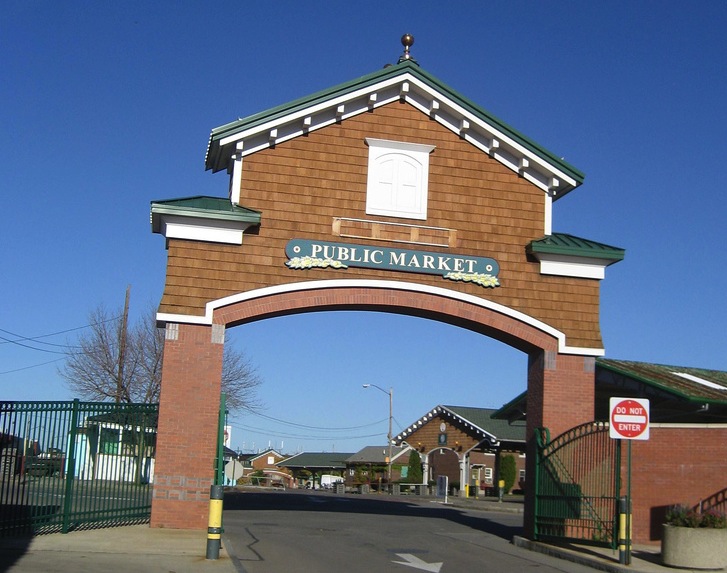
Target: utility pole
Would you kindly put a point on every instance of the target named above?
(122, 346)
(389, 436)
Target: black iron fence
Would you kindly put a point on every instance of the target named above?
(70, 465)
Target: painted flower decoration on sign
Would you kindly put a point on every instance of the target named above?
(311, 262)
(481, 279)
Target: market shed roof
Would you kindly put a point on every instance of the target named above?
(676, 393)
(376, 454)
(316, 460)
(697, 384)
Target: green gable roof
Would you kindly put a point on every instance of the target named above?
(393, 82)
(478, 421)
(482, 418)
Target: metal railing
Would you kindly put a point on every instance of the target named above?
(71, 465)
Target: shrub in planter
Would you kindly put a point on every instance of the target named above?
(694, 539)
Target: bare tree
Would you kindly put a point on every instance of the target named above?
(92, 368)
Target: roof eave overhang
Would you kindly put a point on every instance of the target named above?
(180, 221)
(654, 383)
(483, 434)
(403, 82)
(514, 410)
(573, 257)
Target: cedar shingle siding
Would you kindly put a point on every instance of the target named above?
(302, 184)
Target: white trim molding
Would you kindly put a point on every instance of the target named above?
(486, 136)
(203, 229)
(579, 267)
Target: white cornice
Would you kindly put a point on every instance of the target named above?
(202, 229)
(406, 87)
(579, 267)
(210, 307)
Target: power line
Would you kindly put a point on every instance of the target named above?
(29, 367)
(327, 429)
(300, 436)
(20, 338)
(17, 343)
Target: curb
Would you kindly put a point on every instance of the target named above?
(600, 564)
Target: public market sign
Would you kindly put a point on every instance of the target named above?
(305, 254)
(629, 419)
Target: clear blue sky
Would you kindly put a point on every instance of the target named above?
(105, 107)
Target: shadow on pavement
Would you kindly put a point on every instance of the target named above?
(366, 504)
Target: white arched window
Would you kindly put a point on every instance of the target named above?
(398, 178)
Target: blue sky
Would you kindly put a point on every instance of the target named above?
(105, 107)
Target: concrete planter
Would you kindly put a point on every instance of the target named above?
(694, 547)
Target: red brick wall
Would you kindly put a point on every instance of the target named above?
(188, 420)
(677, 465)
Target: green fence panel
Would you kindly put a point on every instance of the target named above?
(70, 465)
(577, 483)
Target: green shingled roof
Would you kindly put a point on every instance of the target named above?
(377, 454)
(694, 384)
(564, 244)
(479, 420)
(678, 393)
(482, 418)
(317, 460)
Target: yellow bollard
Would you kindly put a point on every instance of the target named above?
(214, 524)
(624, 532)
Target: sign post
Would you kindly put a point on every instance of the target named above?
(629, 420)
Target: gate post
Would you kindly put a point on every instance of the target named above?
(561, 395)
(188, 417)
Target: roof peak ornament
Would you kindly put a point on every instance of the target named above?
(407, 40)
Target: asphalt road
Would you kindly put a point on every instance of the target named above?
(319, 532)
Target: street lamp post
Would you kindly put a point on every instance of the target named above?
(390, 392)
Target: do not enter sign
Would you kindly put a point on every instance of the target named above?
(629, 418)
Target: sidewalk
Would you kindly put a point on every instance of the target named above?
(644, 559)
(135, 548)
(127, 549)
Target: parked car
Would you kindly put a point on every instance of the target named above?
(48, 463)
(325, 482)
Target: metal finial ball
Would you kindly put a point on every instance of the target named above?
(407, 40)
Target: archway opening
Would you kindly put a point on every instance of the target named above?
(314, 365)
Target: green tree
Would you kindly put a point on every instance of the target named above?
(508, 471)
(415, 468)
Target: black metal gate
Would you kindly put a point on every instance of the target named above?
(68, 465)
(577, 481)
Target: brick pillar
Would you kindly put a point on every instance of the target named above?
(188, 421)
(561, 395)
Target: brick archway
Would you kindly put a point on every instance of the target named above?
(392, 193)
(193, 363)
(480, 315)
